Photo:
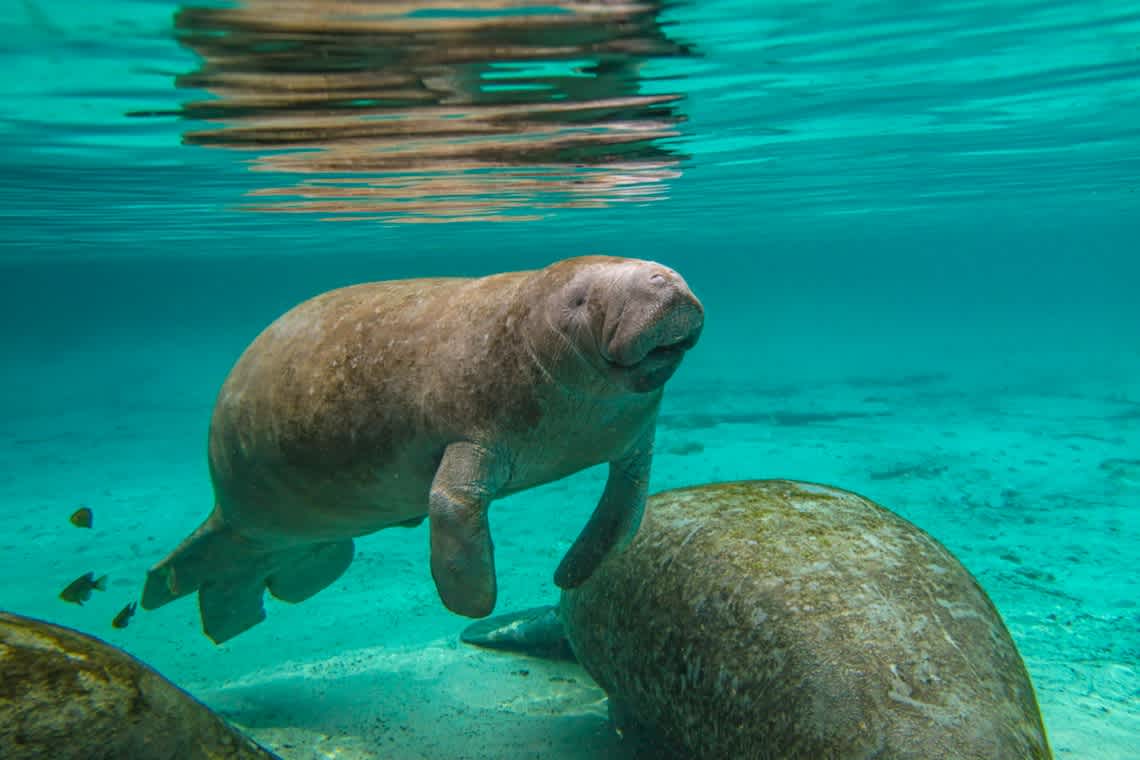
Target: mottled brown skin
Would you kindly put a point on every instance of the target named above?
(783, 620)
(68, 696)
(370, 406)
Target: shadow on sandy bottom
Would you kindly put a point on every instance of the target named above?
(433, 702)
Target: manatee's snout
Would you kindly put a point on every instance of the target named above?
(659, 320)
(679, 323)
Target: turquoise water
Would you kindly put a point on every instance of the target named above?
(914, 230)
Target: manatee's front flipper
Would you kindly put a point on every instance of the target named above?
(537, 632)
(615, 519)
(462, 555)
(230, 574)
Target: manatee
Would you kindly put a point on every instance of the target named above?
(65, 695)
(779, 619)
(376, 405)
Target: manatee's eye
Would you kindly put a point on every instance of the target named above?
(577, 297)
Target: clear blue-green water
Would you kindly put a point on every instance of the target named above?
(915, 229)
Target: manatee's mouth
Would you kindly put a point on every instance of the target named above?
(670, 350)
(655, 355)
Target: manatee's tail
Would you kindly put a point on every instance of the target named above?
(230, 574)
(537, 632)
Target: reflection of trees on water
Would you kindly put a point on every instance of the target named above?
(415, 111)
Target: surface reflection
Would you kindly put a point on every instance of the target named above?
(419, 111)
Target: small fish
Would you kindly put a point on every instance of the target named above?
(124, 617)
(82, 517)
(79, 590)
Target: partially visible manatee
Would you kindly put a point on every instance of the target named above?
(784, 620)
(68, 696)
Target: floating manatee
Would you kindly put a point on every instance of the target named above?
(784, 620)
(387, 403)
(68, 696)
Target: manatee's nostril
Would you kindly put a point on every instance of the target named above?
(658, 279)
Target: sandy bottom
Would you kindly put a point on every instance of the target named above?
(1035, 485)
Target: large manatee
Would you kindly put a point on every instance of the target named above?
(785, 620)
(376, 405)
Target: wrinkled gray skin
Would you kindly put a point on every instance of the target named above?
(788, 621)
(68, 696)
(370, 406)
